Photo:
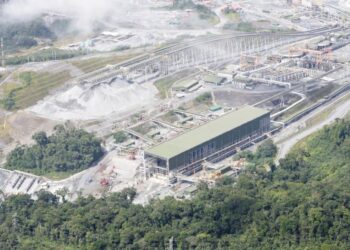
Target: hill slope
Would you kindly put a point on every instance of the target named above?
(302, 204)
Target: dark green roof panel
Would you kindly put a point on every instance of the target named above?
(206, 132)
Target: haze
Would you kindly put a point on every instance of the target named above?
(83, 13)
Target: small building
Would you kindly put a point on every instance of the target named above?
(185, 120)
(213, 79)
(153, 133)
(213, 140)
(324, 44)
(227, 73)
(186, 86)
(241, 81)
(128, 144)
(215, 108)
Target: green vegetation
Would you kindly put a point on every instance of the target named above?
(44, 55)
(2, 76)
(241, 26)
(120, 137)
(170, 117)
(233, 15)
(204, 12)
(122, 48)
(318, 118)
(24, 35)
(32, 88)
(89, 65)
(347, 117)
(313, 97)
(302, 204)
(144, 128)
(204, 98)
(164, 85)
(67, 150)
(245, 27)
(200, 104)
(9, 101)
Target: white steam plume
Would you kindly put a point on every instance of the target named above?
(84, 13)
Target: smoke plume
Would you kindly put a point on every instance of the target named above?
(84, 13)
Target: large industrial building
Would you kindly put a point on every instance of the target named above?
(214, 140)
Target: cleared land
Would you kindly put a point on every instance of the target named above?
(164, 85)
(200, 104)
(89, 65)
(233, 16)
(32, 87)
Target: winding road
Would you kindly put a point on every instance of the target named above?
(291, 135)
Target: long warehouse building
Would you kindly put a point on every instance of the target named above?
(215, 138)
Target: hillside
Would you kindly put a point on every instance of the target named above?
(302, 204)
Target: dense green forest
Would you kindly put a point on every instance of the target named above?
(301, 204)
(23, 35)
(66, 150)
(203, 11)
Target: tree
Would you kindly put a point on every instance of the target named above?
(253, 212)
(9, 102)
(40, 138)
(267, 149)
(120, 137)
(66, 150)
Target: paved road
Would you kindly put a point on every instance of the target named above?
(287, 139)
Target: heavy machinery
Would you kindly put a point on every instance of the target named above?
(104, 182)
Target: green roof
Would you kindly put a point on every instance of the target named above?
(213, 79)
(215, 108)
(186, 84)
(206, 132)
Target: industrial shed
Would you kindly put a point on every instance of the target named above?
(213, 79)
(209, 141)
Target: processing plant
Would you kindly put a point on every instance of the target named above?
(211, 142)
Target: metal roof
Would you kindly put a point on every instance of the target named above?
(206, 132)
(186, 84)
(213, 79)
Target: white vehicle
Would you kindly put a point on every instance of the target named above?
(180, 95)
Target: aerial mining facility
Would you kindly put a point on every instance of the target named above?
(175, 101)
(212, 142)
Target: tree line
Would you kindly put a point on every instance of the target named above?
(304, 203)
(66, 150)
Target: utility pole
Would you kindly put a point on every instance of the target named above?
(2, 52)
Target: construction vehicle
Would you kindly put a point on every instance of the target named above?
(132, 156)
(104, 182)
